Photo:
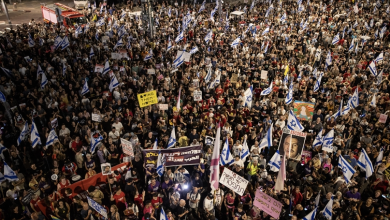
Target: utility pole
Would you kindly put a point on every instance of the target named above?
(4, 6)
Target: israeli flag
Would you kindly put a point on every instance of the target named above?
(376, 34)
(327, 212)
(373, 101)
(65, 43)
(252, 5)
(31, 42)
(172, 139)
(366, 26)
(123, 15)
(354, 101)
(285, 80)
(275, 162)
(95, 142)
(319, 139)
(212, 14)
(318, 83)
(51, 138)
(91, 53)
(194, 50)
(344, 31)
(299, 77)
(283, 18)
(289, 96)
(351, 47)
(248, 97)
(179, 37)
(2, 149)
(379, 77)
(78, 31)
(57, 42)
(43, 81)
(113, 83)
(327, 144)
(347, 169)
(388, 10)
(86, 28)
(336, 39)
(266, 31)
(226, 158)
(100, 22)
(236, 42)
(305, 25)
(2, 97)
(244, 151)
(97, 207)
(300, 8)
(163, 216)
(169, 44)
(23, 134)
(119, 43)
(365, 164)
(41, 42)
(372, 22)
(9, 174)
(267, 140)
(311, 215)
(380, 157)
(208, 76)
(160, 163)
(203, 7)
(85, 89)
(209, 36)
(97, 35)
(355, 25)
(106, 68)
(379, 58)
(34, 135)
(268, 90)
(299, 2)
(293, 122)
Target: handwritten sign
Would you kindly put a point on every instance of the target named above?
(151, 71)
(233, 181)
(268, 204)
(234, 78)
(147, 98)
(197, 96)
(163, 106)
(96, 117)
(127, 147)
(383, 118)
(264, 74)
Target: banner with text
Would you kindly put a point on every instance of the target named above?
(174, 157)
(233, 181)
(127, 147)
(268, 204)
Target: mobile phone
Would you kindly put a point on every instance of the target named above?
(383, 196)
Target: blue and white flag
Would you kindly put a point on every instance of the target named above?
(123, 15)
(366, 26)
(293, 122)
(169, 44)
(283, 18)
(57, 42)
(351, 47)
(106, 68)
(300, 8)
(160, 163)
(34, 135)
(179, 37)
(97, 207)
(354, 101)
(209, 36)
(119, 43)
(347, 169)
(2, 97)
(275, 162)
(376, 34)
(299, 2)
(318, 140)
(336, 39)
(285, 80)
(225, 158)
(365, 164)
(172, 139)
(2, 149)
(244, 151)
(100, 22)
(379, 57)
(318, 83)
(44, 81)
(97, 35)
(65, 43)
(266, 31)
(236, 42)
(327, 144)
(202, 7)
(169, 12)
(163, 216)
(31, 42)
(212, 14)
(355, 25)
(248, 97)
(113, 83)
(289, 96)
(380, 157)
(268, 90)
(155, 145)
(372, 22)
(194, 50)
(344, 31)
(9, 174)
(91, 53)
(179, 60)
(312, 214)
(41, 42)
(327, 212)
(85, 88)
(267, 140)
(23, 133)
(51, 138)
(252, 5)
(95, 142)
(149, 55)
(373, 101)
(78, 31)
(379, 77)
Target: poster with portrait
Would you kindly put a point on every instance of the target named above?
(304, 110)
(106, 169)
(291, 144)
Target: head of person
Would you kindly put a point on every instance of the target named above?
(293, 151)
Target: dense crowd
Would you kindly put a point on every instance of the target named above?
(67, 102)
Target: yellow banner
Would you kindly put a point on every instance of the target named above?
(286, 71)
(147, 98)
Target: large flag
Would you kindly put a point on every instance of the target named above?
(372, 68)
(65, 43)
(163, 216)
(373, 101)
(179, 37)
(244, 151)
(275, 162)
(113, 83)
(267, 140)
(293, 122)
(327, 144)
(336, 39)
(23, 134)
(35, 138)
(267, 90)
(279, 185)
(365, 164)
(319, 139)
(160, 163)
(95, 142)
(347, 169)
(44, 81)
(289, 96)
(318, 83)
(85, 88)
(106, 68)
(327, 212)
(214, 165)
(51, 138)
(149, 55)
(354, 101)
(31, 42)
(311, 215)
(97, 207)
(380, 157)
(248, 97)
(9, 174)
(379, 58)
(2, 97)
(209, 36)
(172, 139)
(226, 158)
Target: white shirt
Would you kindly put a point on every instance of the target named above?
(194, 196)
(208, 204)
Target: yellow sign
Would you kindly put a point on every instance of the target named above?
(147, 98)
(286, 71)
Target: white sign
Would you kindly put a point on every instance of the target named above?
(187, 56)
(264, 74)
(209, 140)
(116, 56)
(96, 117)
(163, 106)
(151, 71)
(99, 68)
(233, 181)
(127, 147)
(197, 96)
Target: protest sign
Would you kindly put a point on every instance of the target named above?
(174, 156)
(99, 68)
(106, 169)
(294, 150)
(163, 106)
(382, 118)
(127, 147)
(304, 110)
(97, 207)
(123, 54)
(186, 56)
(209, 141)
(268, 204)
(96, 117)
(264, 74)
(233, 181)
(147, 98)
(116, 56)
(151, 71)
(197, 95)
(234, 78)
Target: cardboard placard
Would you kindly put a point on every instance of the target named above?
(264, 74)
(147, 98)
(234, 78)
(163, 106)
(383, 118)
(127, 147)
(197, 96)
(151, 71)
(268, 204)
(96, 117)
(233, 181)
(99, 68)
